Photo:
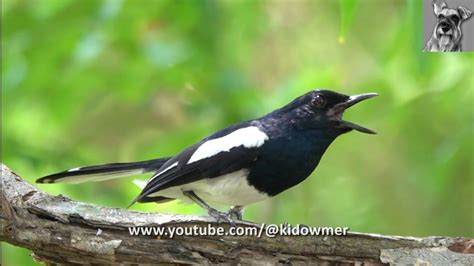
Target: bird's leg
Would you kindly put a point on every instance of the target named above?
(211, 211)
(236, 212)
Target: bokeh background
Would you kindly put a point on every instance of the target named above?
(89, 82)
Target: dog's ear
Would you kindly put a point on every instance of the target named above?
(437, 7)
(464, 12)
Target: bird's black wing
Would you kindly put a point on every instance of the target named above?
(181, 170)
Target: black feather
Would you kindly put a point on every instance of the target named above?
(118, 169)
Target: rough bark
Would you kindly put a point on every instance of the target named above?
(60, 231)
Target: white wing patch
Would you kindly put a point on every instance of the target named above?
(164, 170)
(249, 137)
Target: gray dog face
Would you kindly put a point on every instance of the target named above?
(447, 32)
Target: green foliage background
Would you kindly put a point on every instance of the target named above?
(89, 82)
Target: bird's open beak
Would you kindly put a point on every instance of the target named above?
(339, 110)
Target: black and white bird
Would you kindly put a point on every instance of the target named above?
(243, 163)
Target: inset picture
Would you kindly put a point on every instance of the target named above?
(447, 25)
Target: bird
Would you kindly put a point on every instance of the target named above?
(244, 163)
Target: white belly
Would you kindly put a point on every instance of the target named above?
(230, 190)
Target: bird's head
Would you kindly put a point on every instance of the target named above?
(323, 109)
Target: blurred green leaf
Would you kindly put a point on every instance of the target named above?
(348, 10)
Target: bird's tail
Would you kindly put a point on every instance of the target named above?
(103, 172)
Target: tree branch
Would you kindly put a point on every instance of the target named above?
(62, 231)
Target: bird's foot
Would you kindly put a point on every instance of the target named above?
(236, 212)
(221, 216)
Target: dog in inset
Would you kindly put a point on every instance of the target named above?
(447, 32)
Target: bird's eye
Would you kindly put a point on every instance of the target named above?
(318, 101)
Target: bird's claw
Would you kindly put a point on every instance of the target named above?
(235, 213)
(221, 216)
